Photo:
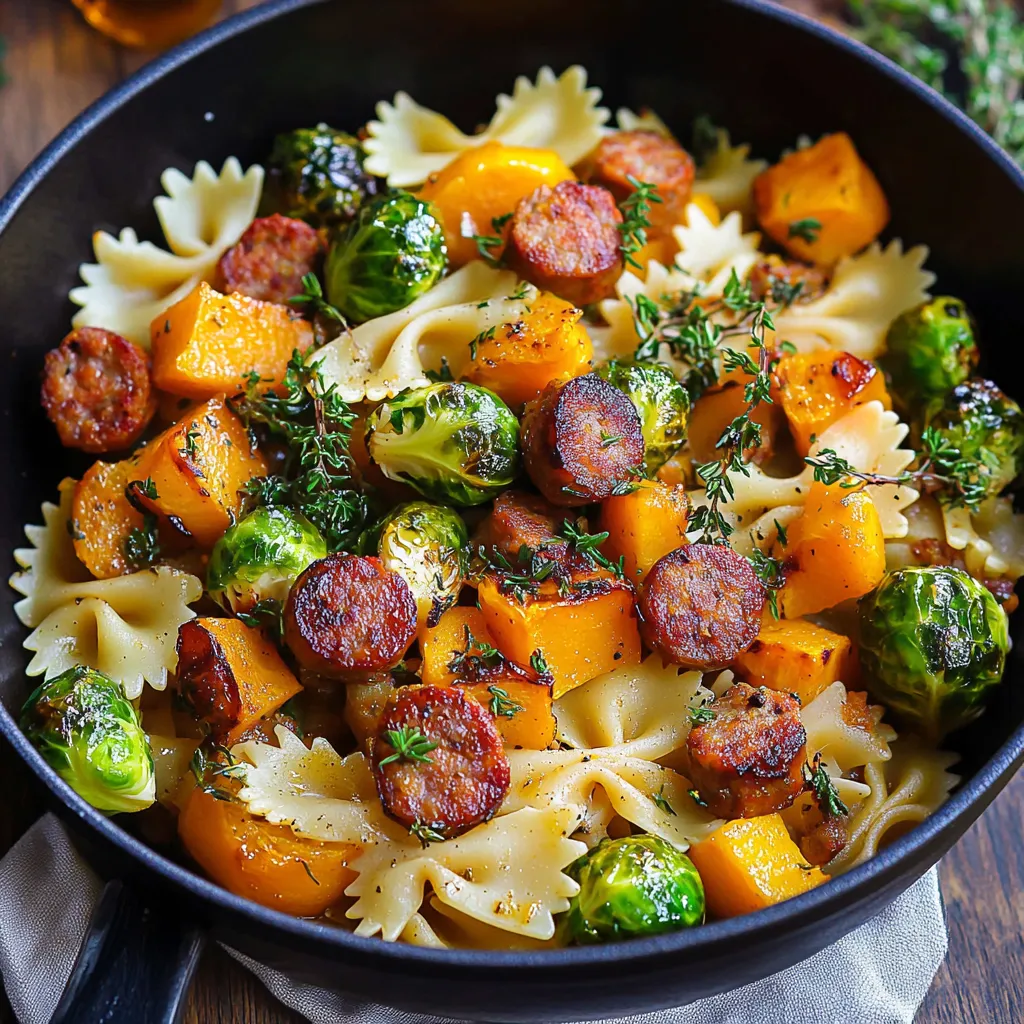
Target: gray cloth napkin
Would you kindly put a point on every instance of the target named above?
(876, 975)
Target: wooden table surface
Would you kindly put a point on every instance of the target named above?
(55, 66)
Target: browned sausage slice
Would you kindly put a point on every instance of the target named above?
(649, 157)
(348, 613)
(270, 259)
(775, 280)
(566, 240)
(582, 441)
(701, 605)
(204, 678)
(747, 760)
(97, 390)
(439, 761)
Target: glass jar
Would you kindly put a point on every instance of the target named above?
(148, 24)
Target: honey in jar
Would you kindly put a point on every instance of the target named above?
(148, 24)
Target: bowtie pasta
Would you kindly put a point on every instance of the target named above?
(539, 536)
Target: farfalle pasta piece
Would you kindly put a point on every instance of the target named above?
(845, 730)
(646, 121)
(727, 175)
(132, 282)
(868, 437)
(650, 796)
(867, 292)
(125, 627)
(637, 711)
(408, 142)
(904, 791)
(711, 252)
(315, 790)
(991, 539)
(391, 353)
(507, 873)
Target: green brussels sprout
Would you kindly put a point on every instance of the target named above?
(260, 557)
(428, 546)
(933, 643)
(391, 254)
(317, 174)
(90, 734)
(985, 426)
(455, 443)
(661, 403)
(630, 888)
(929, 351)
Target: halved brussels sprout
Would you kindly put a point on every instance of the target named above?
(629, 888)
(455, 443)
(428, 546)
(392, 253)
(661, 403)
(929, 351)
(260, 557)
(986, 426)
(90, 734)
(317, 174)
(933, 644)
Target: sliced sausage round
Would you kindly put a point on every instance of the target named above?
(270, 259)
(582, 441)
(566, 240)
(205, 680)
(97, 390)
(439, 762)
(527, 520)
(786, 282)
(748, 759)
(701, 605)
(648, 157)
(348, 613)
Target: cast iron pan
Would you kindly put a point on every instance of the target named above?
(767, 74)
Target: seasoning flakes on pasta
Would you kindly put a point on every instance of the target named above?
(132, 282)
(408, 142)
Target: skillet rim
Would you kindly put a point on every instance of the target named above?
(901, 857)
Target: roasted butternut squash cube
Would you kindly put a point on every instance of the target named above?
(644, 525)
(580, 636)
(821, 203)
(749, 864)
(102, 517)
(796, 656)
(231, 674)
(198, 467)
(818, 388)
(522, 708)
(265, 863)
(208, 343)
(486, 183)
(715, 410)
(834, 551)
(519, 360)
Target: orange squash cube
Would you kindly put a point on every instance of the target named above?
(834, 551)
(198, 467)
(484, 183)
(208, 343)
(519, 361)
(818, 388)
(644, 525)
(751, 863)
(821, 203)
(265, 863)
(795, 656)
(440, 643)
(102, 517)
(580, 635)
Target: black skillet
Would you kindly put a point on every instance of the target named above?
(767, 74)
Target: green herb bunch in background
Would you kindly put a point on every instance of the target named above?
(970, 50)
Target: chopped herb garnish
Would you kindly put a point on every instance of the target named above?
(636, 209)
(426, 834)
(538, 662)
(483, 336)
(769, 571)
(807, 229)
(696, 798)
(701, 716)
(819, 780)
(501, 704)
(410, 745)
(313, 296)
(267, 613)
(661, 802)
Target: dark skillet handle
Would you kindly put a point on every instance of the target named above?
(134, 966)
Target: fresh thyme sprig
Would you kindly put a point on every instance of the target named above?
(312, 295)
(426, 834)
(941, 470)
(141, 546)
(206, 769)
(315, 424)
(485, 243)
(588, 546)
(475, 656)
(661, 801)
(636, 210)
(267, 613)
(769, 571)
(501, 704)
(818, 779)
(410, 745)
